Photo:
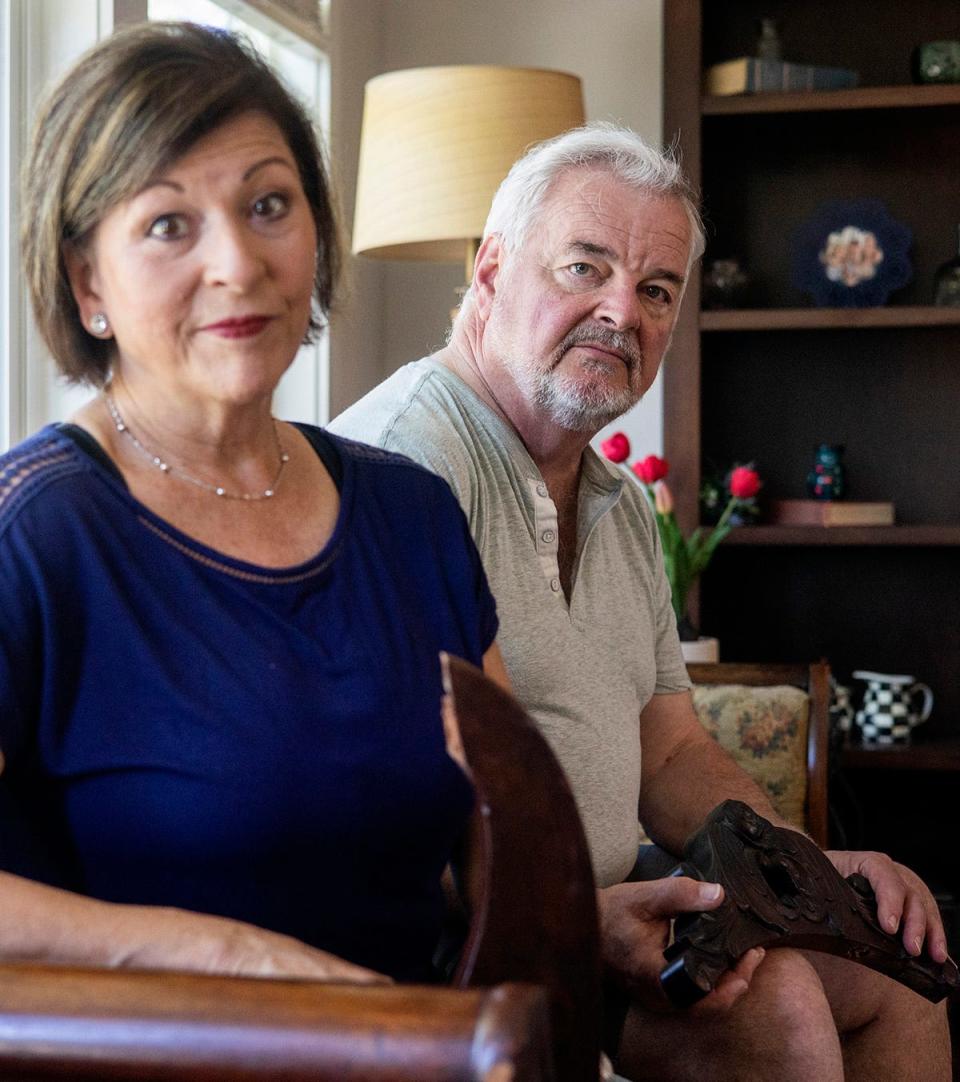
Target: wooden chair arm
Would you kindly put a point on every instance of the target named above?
(176, 1027)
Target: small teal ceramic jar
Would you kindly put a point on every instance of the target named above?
(937, 62)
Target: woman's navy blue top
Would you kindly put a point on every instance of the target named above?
(182, 728)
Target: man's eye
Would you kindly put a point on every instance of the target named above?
(580, 270)
(168, 227)
(271, 206)
(659, 294)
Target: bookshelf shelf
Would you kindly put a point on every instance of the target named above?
(904, 536)
(932, 755)
(811, 101)
(798, 319)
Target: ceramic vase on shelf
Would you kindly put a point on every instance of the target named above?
(702, 650)
(893, 705)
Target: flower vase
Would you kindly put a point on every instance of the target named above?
(703, 649)
(695, 647)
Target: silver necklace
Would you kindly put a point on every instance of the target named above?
(175, 471)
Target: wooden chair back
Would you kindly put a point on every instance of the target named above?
(815, 680)
(535, 913)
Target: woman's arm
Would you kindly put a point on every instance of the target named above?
(45, 924)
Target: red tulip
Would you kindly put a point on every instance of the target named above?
(744, 483)
(617, 448)
(651, 469)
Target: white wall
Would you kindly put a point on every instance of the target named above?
(613, 45)
(356, 349)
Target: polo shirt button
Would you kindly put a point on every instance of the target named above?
(548, 537)
(555, 585)
(541, 489)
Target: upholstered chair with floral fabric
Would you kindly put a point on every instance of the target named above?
(774, 722)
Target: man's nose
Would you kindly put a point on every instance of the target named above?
(619, 306)
(232, 257)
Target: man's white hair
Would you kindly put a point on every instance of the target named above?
(619, 150)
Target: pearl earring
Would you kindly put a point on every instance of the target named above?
(99, 323)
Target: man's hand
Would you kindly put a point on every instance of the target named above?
(903, 900)
(635, 929)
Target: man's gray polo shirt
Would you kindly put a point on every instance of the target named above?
(584, 671)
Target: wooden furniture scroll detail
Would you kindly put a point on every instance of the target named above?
(780, 890)
(99, 1024)
(815, 680)
(536, 917)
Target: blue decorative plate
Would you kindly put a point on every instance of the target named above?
(852, 254)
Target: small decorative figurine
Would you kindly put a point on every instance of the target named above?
(725, 284)
(826, 480)
(946, 283)
(768, 39)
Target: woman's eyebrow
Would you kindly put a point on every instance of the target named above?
(275, 159)
(177, 187)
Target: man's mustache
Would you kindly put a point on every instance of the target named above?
(596, 335)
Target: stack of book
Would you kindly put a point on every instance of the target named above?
(754, 75)
(829, 513)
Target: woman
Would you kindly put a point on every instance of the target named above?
(219, 682)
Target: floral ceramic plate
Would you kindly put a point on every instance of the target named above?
(852, 254)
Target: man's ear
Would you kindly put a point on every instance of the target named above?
(486, 271)
(83, 280)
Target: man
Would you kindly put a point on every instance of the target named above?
(575, 294)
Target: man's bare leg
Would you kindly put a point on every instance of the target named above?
(805, 1018)
(886, 1030)
(781, 1028)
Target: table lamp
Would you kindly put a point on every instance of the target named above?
(435, 145)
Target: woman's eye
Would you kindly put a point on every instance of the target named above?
(271, 206)
(168, 227)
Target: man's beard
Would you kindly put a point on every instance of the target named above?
(566, 400)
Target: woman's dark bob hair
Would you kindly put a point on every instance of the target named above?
(128, 109)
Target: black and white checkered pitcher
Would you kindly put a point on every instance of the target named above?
(889, 708)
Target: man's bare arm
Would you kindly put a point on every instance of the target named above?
(685, 773)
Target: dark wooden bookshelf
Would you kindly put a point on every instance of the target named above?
(811, 319)
(768, 383)
(810, 101)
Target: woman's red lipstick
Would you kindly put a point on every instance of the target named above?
(241, 327)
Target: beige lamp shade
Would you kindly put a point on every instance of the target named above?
(436, 144)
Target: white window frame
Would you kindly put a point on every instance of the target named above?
(37, 40)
